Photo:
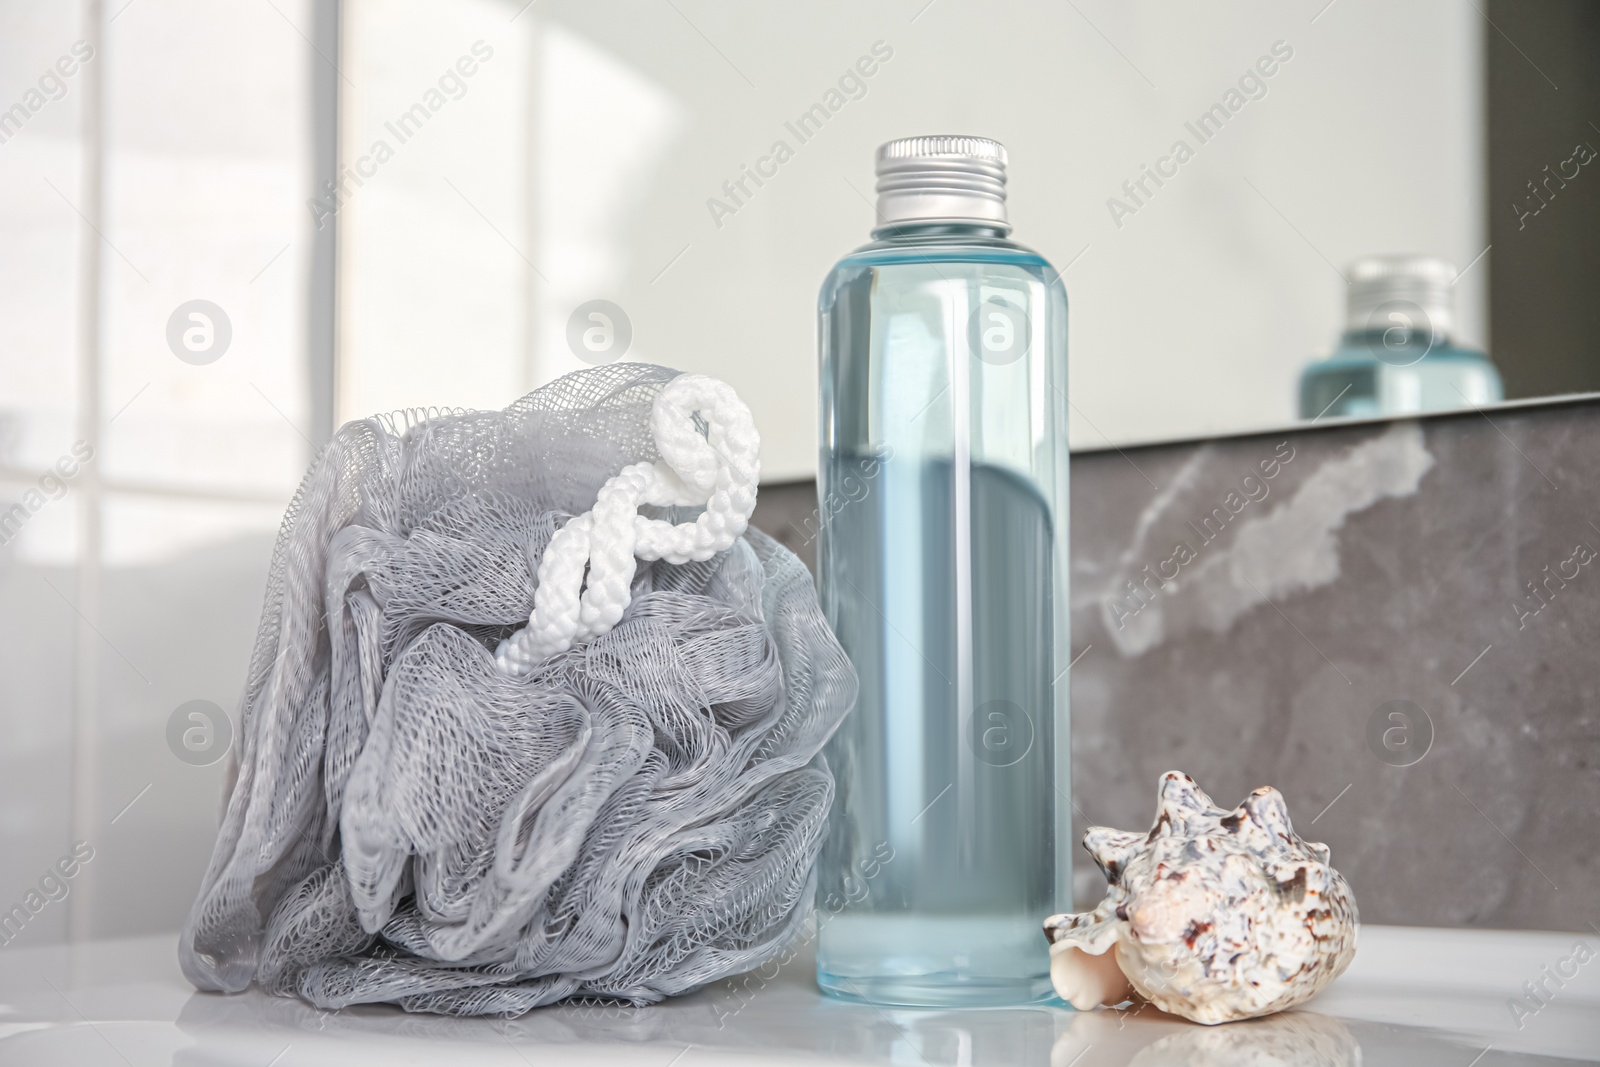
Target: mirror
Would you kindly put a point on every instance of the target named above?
(1214, 182)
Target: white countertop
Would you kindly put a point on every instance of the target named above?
(1413, 996)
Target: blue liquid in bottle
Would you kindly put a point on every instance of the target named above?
(943, 571)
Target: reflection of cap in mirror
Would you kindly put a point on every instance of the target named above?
(1422, 281)
(1400, 307)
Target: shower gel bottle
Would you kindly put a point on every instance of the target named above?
(942, 566)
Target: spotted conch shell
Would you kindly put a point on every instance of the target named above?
(1213, 915)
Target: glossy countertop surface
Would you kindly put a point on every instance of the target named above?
(1416, 997)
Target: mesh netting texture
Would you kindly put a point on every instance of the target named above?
(408, 822)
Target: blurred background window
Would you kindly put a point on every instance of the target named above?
(160, 395)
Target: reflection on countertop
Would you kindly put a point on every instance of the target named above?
(1413, 996)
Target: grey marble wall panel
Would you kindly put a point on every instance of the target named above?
(1395, 624)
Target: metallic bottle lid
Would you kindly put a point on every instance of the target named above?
(1405, 292)
(942, 179)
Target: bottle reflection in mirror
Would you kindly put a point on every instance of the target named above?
(1398, 355)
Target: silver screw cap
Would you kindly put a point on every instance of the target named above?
(942, 179)
(1406, 292)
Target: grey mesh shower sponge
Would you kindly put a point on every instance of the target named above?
(407, 822)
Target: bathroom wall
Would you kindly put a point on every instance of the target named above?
(1393, 623)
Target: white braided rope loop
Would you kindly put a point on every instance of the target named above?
(586, 573)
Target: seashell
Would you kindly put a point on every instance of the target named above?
(1213, 915)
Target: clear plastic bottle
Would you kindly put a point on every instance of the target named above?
(1397, 356)
(943, 570)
